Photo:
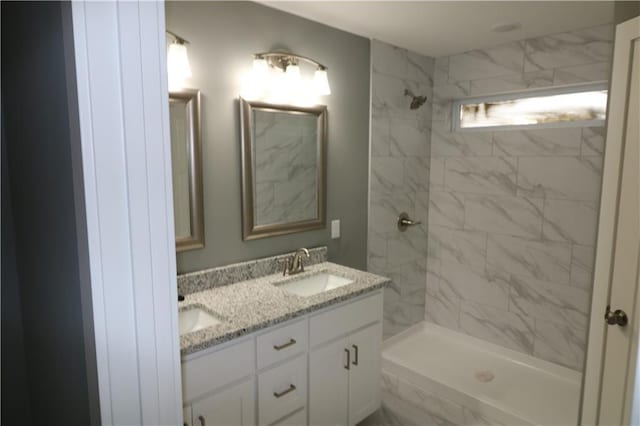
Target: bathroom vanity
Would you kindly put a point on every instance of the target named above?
(274, 350)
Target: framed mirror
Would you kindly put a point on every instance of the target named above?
(283, 168)
(186, 156)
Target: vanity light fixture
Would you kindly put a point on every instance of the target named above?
(178, 67)
(289, 64)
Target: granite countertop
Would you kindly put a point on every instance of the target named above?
(248, 306)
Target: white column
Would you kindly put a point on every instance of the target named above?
(123, 107)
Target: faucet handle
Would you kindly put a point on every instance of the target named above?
(404, 222)
(285, 264)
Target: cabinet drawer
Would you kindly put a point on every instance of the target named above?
(209, 372)
(298, 418)
(282, 390)
(337, 322)
(282, 343)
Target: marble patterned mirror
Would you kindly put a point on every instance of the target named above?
(284, 163)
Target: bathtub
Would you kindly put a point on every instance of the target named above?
(432, 375)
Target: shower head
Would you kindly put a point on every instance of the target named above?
(416, 101)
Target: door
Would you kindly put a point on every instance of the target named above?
(329, 368)
(612, 353)
(621, 342)
(364, 376)
(186, 416)
(233, 406)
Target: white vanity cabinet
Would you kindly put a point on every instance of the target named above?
(329, 384)
(318, 369)
(344, 378)
(219, 387)
(365, 372)
(344, 363)
(232, 406)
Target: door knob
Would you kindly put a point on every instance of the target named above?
(618, 317)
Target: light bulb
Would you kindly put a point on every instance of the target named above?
(178, 67)
(321, 83)
(260, 69)
(293, 74)
(292, 82)
(279, 88)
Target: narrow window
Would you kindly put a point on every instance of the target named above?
(563, 107)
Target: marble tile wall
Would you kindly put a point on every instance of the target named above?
(513, 213)
(399, 180)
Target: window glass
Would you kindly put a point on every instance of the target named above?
(531, 110)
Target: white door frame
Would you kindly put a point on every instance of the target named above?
(119, 50)
(616, 124)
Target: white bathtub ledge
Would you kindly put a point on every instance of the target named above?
(466, 381)
(421, 405)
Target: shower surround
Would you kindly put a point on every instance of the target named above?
(399, 180)
(513, 213)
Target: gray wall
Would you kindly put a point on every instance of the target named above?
(513, 213)
(224, 36)
(400, 157)
(37, 92)
(625, 10)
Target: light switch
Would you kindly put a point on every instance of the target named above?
(335, 229)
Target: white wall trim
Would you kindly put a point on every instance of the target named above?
(123, 110)
(616, 114)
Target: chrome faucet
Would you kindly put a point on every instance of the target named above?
(294, 265)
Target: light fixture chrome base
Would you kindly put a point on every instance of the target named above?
(281, 59)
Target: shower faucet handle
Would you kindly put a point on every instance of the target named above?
(404, 222)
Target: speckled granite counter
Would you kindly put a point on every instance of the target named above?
(229, 274)
(248, 306)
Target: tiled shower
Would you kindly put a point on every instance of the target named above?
(506, 246)
(399, 180)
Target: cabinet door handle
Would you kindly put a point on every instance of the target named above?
(285, 345)
(202, 422)
(291, 388)
(347, 366)
(355, 358)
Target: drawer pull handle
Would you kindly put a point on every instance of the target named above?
(284, 392)
(355, 358)
(285, 345)
(201, 418)
(347, 366)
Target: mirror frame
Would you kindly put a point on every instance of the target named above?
(191, 97)
(250, 230)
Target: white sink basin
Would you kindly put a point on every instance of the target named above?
(194, 319)
(314, 284)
